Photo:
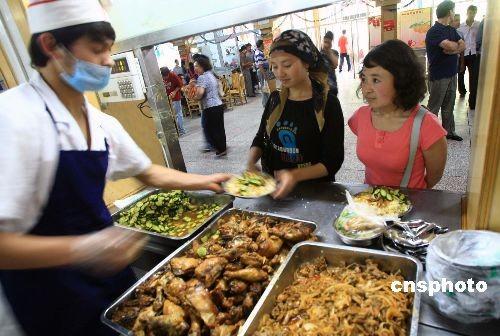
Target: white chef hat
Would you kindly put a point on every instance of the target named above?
(46, 15)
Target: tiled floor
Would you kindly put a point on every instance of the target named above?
(242, 122)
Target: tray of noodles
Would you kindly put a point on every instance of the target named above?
(324, 289)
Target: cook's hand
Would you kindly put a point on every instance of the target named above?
(107, 251)
(213, 182)
(286, 182)
(172, 95)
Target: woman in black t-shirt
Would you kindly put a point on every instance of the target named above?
(301, 134)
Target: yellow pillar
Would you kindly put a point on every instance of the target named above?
(483, 190)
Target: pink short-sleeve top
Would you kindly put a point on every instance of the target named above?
(385, 154)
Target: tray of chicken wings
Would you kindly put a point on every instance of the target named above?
(210, 285)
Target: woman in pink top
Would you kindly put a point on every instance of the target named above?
(393, 84)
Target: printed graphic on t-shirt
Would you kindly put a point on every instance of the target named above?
(168, 85)
(287, 133)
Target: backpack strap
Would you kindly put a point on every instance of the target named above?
(415, 135)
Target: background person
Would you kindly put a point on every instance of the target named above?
(461, 62)
(468, 30)
(173, 85)
(177, 69)
(443, 45)
(212, 116)
(61, 260)
(301, 134)
(246, 64)
(331, 57)
(264, 72)
(343, 48)
(393, 84)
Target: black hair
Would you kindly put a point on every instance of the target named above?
(243, 47)
(66, 36)
(399, 59)
(444, 8)
(329, 35)
(204, 62)
(343, 31)
(472, 8)
(164, 71)
(259, 43)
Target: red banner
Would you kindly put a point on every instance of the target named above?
(389, 25)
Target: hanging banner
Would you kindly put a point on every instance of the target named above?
(414, 25)
(374, 32)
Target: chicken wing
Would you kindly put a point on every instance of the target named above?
(247, 274)
(224, 330)
(142, 320)
(269, 245)
(253, 259)
(198, 296)
(183, 265)
(171, 322)
(176, 290)
(291, 231)
(195, 327)
(237, 286)
(210, 269)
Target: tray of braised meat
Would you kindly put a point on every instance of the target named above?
(210, 285)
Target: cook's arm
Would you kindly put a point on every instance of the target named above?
(166, 178)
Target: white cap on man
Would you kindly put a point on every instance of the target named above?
(46, 15)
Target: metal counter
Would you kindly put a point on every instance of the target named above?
(322, 202)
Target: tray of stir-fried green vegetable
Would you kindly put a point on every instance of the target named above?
(171, 215)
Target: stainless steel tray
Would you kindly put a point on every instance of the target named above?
(106, 316)
(411, 269)
(224, 201)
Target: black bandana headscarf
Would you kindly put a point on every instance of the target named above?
(299, 44)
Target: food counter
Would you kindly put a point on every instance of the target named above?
(322, 202)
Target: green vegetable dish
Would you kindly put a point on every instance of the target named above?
(168, 213)
(387, 201)
(250, 184)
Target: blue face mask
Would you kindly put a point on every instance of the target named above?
(87, 76)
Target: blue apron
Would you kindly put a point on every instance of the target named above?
(64, 300)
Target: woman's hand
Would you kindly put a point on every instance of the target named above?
(286, 182)
(253, 167)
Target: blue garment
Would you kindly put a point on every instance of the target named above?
(177, 106)
(65, 301)
(441, 65)
(332, 78)
(260, 59)
(211, 97)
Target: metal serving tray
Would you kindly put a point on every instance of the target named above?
(106, 316)
(224, 201)
(410, 268)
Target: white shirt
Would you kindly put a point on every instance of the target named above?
(469, 35)
(29, 150)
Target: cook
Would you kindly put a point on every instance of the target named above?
(61, 261)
